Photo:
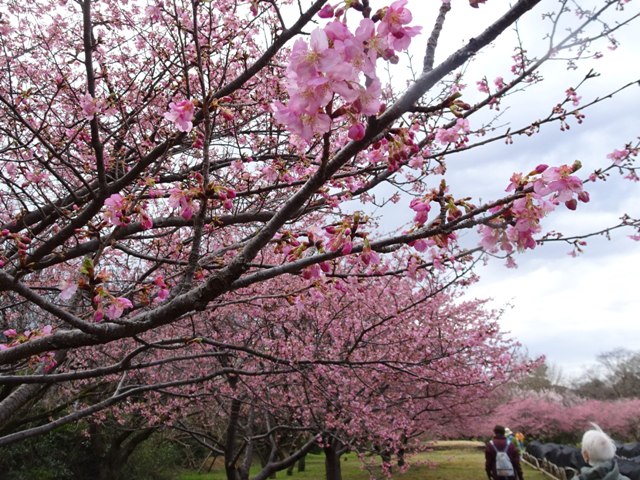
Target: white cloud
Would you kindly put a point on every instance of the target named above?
(570, 309)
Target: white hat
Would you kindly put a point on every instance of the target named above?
(507, 431)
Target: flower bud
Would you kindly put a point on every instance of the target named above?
(356, 132)
(326, 11)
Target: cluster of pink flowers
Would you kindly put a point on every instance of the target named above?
(90, 106)
(561, 185)
(316, 270)
(617, 156)
(225, 195)
(421, 206)
(178, 198)
(483, 85)
(394, 25)
(456, 134)
(396, 148)
(340, 238)
(548, 187)
(22, 243)
(117, 212)
(573, 96)
(163, 289)
(330, 66)
(114, 306)
(14, 338)
(181, 115)
(154, 12)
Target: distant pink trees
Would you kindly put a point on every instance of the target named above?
(550, 416)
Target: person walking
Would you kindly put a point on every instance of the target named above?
(599, 451)
(502, 457)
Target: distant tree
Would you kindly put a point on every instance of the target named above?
(554, 417)
(543, 377)
(618, 376)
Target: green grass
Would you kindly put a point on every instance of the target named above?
(440, 464)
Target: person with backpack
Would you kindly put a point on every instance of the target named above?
(502, 458)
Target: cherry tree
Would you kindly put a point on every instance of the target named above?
(341, 369)
(552, 416)
(160, 158)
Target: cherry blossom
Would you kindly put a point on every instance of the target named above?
(117, 306)
(181, 115)
(90, 106)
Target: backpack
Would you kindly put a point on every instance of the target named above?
(504, 467)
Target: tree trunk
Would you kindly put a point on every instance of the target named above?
(230, 457)
(401, 458)
(332, 465)
(112, 459)
(283, 464)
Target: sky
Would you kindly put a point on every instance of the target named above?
(568, 309)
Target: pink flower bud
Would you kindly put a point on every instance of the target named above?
(356, 132)
(326, 11)
(583, 196)
(226, 114)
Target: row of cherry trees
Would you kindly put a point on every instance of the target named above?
(179, 240)
(551, 416)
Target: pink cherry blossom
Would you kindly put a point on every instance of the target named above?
(573, 96)
(115, 210)
(68, 289)
(163, 290)
(179, 199)
(455, 134)
(181, 114)
(393, 25)
(153, 12)
(90, 106)
(117, 306)
(145, 220)
(307, 59)
(617, 156)
(483, 86)
(421, 206)
(368, 101)
(560, 181)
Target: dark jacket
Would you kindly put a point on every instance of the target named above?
(490, 459)
(603, 471)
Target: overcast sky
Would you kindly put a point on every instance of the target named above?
(569, 309)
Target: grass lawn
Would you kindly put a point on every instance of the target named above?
(445, 462)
